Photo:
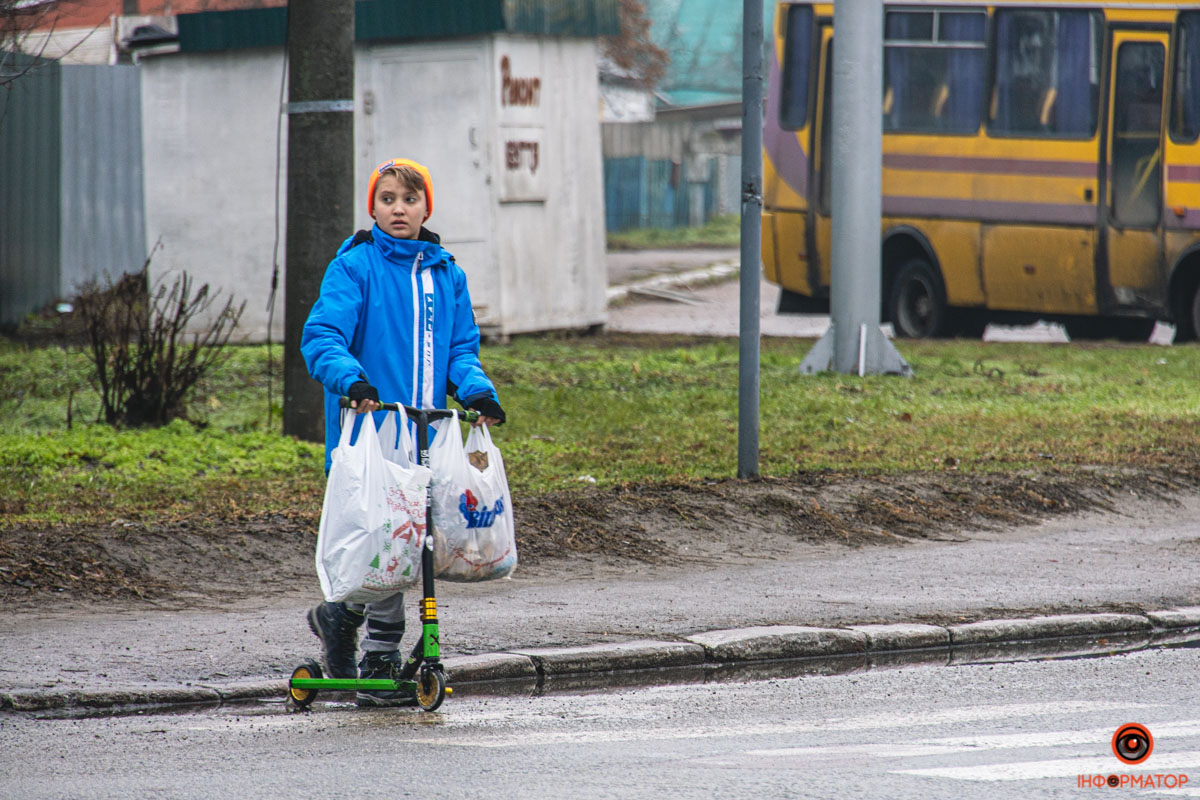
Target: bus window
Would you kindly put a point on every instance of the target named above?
(797, 57)
(1185, 116)
(1137, 121)
(1047, 73)
(933, 70)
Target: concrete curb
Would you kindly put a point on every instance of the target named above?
(1062, 636)
(668, 280)
(1010, 630)
(779, 642)
(892, 638)
(612, 657)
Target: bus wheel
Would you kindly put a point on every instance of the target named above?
(1187, 324)
(916, 304)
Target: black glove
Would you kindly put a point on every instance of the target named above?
(487, 407)
(361, 390)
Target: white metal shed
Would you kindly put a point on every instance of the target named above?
(503, 107)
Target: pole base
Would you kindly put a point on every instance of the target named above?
(876, 355)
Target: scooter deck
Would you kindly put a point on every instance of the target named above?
(353, 684)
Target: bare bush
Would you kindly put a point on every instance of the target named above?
(146, 363)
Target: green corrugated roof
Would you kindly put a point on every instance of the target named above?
(562, 17)
(419, 19)
(399, 20)
(232, 30)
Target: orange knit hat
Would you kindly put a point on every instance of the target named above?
(421, 169)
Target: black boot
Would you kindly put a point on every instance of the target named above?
(383, 665)
(337, 628)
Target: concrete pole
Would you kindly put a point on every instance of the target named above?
(857, 152)
(320, 185)
(751, 237)
(854, 344)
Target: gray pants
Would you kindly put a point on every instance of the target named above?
(385, 623)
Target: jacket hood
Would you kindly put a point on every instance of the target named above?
(427, 242)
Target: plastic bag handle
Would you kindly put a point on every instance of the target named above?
(402, 440)
(348, 428)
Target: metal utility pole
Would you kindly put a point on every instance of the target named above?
(320, 183)
(854, 343)
(751, 237)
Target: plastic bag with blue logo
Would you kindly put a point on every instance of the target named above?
(474, 536)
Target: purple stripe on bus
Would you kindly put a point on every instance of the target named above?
(1183, 174)
(1001, 166)
(990, 210)
(1189, 221)
(791, 163)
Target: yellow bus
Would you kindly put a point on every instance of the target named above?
(1040, 161)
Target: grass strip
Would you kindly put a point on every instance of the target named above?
(722, 231)
(614, 410)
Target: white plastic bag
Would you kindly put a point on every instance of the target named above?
(395, 439)
(474, 536)
(372, 521)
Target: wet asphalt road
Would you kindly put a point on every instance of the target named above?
(998, 731)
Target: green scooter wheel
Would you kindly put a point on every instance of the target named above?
(304, 697)
(431, 689)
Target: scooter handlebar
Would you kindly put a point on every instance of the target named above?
(431, 414)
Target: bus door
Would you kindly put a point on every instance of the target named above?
(1133, 226)
(821, 194)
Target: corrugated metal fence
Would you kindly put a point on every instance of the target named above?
(71, 206)
(680, 169)
(641, 192)
(30, 124)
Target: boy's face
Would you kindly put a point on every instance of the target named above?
(399, 211)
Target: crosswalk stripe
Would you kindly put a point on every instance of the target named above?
(1058, 768)
(953, 716)
(959, 744)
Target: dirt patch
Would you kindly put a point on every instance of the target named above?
(213, 559)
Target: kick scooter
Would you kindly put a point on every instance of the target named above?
(422, 674)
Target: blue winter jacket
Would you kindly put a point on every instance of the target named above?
(397, 314)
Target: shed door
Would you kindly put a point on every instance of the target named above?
(429, 105)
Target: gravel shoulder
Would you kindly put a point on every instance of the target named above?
(208, 561)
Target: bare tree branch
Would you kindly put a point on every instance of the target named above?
(21, 21)
(632, 49)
